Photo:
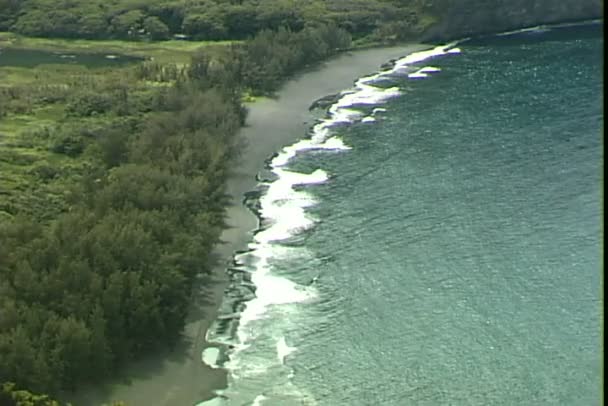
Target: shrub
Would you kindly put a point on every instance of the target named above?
(68, 144)
(45, 171)
(88, 104)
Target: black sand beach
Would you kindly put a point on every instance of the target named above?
(179, 377)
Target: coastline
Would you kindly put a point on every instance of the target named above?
(179, 377)
(274, 123)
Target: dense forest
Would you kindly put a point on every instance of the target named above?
(103, 274)
(209, 19)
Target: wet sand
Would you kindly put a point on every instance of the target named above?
(179, 377)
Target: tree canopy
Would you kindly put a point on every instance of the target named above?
(207, 19)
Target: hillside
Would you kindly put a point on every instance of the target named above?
(462, 18)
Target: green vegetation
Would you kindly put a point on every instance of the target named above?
(112, 196)
(114, 212)
(166, 51)
(209, 19)
(11, 396)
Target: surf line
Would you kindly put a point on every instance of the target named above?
(281, 209)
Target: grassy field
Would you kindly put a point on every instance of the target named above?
(172, 51)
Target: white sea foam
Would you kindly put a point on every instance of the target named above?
(430, 69)
(423, 72)
(538, 28)
(417, 74)
(283, 350)
(363, 93)
(318, 142)
(283, 206)
(427, 54)
(210, 356)
(213, 402)
(283, 212)
(271, 290)
(258, 400)
(283, 209)
(544, 28)
(335, 144)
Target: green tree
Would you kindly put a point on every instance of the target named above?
(155, 28)
(205, 26)
(17, 357)
(11, 396)
(92, 26)
(113, 148)
(88, 103)
(8, 13)
(101, 355)
(241, 21)
(127, 24)
(74, 350)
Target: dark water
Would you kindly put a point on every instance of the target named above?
(28, 58)
(439, 244)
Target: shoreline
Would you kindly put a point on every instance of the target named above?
(178, 377)
(279, 122)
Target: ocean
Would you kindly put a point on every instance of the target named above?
(437, 240)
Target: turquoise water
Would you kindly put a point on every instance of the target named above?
(437, 241)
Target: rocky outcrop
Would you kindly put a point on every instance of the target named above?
(457, 19)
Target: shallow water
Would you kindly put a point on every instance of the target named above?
(27, 58)
(436, 240)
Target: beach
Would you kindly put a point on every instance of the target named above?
(179, 377)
